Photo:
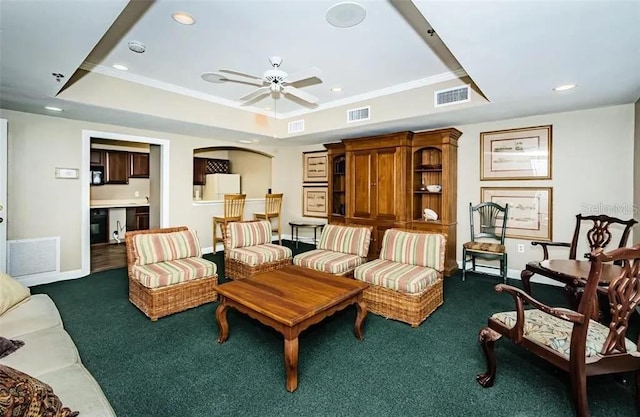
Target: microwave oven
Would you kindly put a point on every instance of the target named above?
(96, 176)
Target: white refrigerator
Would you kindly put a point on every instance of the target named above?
(217, 185)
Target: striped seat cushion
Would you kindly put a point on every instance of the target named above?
(252, 233)
(151, 248)
(260, 254)
(345, 239)
(405, 278)
(162, 274)
(423, 249)
(337, 263)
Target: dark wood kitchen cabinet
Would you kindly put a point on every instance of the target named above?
(138, 165)
(117, 167)
(137, 218)
(199, 170)
(97, 157)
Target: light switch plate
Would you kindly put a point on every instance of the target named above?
(67, 173)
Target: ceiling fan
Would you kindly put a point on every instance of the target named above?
(273, 81)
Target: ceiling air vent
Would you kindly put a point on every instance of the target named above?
(296, 126)
(452, 96)
(357, 115)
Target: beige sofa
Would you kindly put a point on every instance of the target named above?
(50, 355)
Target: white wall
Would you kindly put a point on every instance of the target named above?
(592, 166)
(592, 172)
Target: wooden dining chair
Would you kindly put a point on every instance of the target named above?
(233, 210)
(569, 339)
(599, 235)
(488, 222)
(272, 207)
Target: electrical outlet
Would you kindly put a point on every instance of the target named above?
(137, 194)
(520, 248)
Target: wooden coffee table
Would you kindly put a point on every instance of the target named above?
(290, 300)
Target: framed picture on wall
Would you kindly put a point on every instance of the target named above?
(314, 201)
(314, 166)
(516, 154)
(529, 215)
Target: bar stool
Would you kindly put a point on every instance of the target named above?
(233, 210)
(272, 206)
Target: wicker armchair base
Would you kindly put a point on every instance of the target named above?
(160, 302)
(237, 270)
(408, 308)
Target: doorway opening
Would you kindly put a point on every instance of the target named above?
(130, 191)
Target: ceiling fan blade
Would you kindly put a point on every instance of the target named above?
(312, 72)
(242, 74)
(257, 93)
(287, 89)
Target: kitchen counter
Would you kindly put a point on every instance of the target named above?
(118, 203)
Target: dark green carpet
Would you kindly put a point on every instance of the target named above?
(175, 367)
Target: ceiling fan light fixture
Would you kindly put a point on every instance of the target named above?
(346, 14)
(183, 18)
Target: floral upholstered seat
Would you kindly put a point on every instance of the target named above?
(555, 333)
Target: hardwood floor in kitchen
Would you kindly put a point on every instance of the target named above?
(105, 257)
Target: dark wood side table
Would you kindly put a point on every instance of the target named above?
(572, 273)
(296, 225)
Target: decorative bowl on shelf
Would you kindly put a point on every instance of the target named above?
(434, 188)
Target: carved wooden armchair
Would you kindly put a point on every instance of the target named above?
(598, 236)
(569, 339)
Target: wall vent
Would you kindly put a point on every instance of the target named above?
(357, 115)
(33, 256)
(296, 126)
(451, 96)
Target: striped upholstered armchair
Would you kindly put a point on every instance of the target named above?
(406, 280)
(167, 273)
(248, 250)
(340, 250)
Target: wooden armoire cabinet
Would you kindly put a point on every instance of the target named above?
(378, 181)
(377, 173)
(337, 203)
(435, 162)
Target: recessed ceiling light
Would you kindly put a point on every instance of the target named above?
(245, 141)
(564, 87)
(336, 90)
(120, 67)
(346, 14)
(183, 18)
(53, 108)
(213, 77)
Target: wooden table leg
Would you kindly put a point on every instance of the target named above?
(221, 318)
(291, 362)
(361, 308)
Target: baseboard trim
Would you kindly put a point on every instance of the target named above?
(39, 279)
(515, 274)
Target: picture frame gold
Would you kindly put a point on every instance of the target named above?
(315, 201)
(315, 166)
(530, 210)
(516, 154)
